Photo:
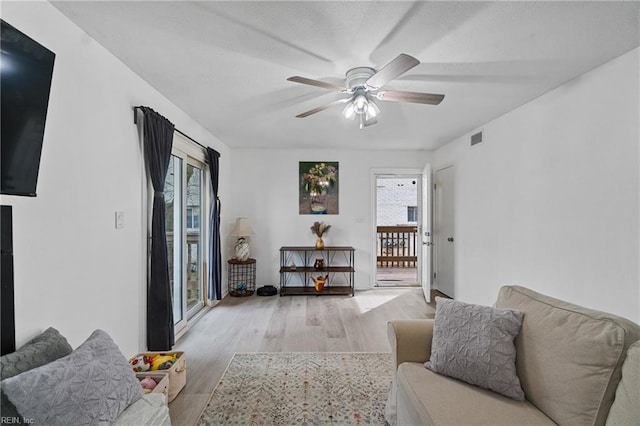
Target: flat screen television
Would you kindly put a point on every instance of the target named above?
(26, 69)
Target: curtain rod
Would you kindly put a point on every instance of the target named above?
(135, 121)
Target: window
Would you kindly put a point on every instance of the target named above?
(412, 213)
(193, 217)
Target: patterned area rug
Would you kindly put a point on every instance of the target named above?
(329, 388)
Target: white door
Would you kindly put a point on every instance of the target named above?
(443, 234)
(425, 233)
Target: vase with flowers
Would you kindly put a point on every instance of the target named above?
(315, 182)
(318, 229)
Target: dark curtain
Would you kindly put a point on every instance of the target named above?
(158, 139)
(215, 258)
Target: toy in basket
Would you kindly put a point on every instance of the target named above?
(174, 363)
(154, 382)
(155, 362)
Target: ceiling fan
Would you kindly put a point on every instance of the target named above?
(363, 84)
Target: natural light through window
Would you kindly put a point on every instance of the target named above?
(366, 302)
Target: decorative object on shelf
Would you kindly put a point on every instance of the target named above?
(318, 187)
(242, 230)
(319, 263)
(319, 282)
(319, 228)
(293, 266)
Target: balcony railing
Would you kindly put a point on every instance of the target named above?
(397, 246)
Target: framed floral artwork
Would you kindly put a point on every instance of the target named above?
(318, 187)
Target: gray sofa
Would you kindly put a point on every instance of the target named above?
(576, 366)
(45, 382)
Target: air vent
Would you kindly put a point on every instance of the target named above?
(476, 139)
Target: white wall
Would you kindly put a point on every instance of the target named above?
(550, 199)
(265, 189)
(73, 269)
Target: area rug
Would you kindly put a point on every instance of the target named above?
(319, 388)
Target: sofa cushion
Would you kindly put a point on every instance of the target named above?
(569, 357)
(92, 385)
(48, 346)
(474, 343)
(626, 406)
(427, 398)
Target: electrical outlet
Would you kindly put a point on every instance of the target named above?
(119, 220)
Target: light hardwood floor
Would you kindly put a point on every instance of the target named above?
(286, 324)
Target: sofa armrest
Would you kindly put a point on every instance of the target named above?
(410, 340)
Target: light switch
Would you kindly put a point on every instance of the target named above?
(119, 220)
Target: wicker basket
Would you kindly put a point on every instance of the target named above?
(177, 372)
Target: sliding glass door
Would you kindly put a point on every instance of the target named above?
(185, 199)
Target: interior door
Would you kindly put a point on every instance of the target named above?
(443, 231)
(425, 232)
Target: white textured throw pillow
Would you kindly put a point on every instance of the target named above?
(474, 344)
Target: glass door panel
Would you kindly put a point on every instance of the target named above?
(173, 227)
(193, 248)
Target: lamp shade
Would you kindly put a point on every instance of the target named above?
(242, 228)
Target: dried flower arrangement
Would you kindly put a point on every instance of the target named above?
(319, 228)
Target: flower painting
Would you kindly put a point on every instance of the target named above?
(318, 187)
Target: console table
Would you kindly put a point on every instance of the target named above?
(297, 270)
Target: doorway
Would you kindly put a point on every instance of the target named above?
(397, 220)
(443, 231)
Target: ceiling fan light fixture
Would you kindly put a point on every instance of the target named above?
(372, 110)
(360, 104)
(349, 111)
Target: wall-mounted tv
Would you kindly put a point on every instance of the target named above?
(26, 69)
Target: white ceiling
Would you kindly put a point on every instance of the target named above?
(226, 63)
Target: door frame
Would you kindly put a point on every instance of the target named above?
(426, 232)
(436, 252)
(375, 172)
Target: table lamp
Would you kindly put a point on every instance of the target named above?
(242, 230)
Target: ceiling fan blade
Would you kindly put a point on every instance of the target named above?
(415, 97)
(317, 83)
(323, 107)
(401, 64)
